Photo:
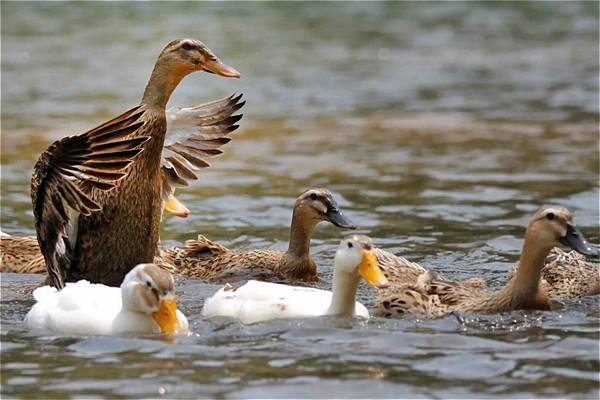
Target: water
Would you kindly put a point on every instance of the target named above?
(440, 128)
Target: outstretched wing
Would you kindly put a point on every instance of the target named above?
(64, 175)
(195, 134)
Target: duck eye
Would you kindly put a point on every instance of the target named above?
(350, 245)
(313, 196)
(187, 46)
(550, 216)
(148, 283)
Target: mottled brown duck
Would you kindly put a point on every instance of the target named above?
(205, 126)
(434, 297)
(97, 212)
(21, 254)
(567, 275)
(205, 259)
(400, 272)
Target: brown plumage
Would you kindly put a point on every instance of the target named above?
(205, 259)
(434, 297)
(97, 216)
(205, 126)
(399, 271)
(409, 284)
(567, 275)
(21, 254)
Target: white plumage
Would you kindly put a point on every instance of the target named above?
(85, 308)
(261, 301)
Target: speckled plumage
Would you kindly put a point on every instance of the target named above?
(567, 275)
(434, 296)
(205, 259)
(21, 254)
(409, 290)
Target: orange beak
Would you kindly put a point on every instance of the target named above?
(371, 272)
(176, 207)
(215, 66)
(166, 316)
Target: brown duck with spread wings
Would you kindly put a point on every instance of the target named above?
(205, 125)
(97, 213)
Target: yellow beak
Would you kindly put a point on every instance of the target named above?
(371, 272)
(166, 316)
(176, 207)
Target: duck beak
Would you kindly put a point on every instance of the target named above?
(215, 66)
(176, 207)
(371, 272)
(166, 316)
(576, 241)
(336, 217)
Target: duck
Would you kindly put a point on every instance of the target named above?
(433, 297)
(206, 127)
(567, 275)
(98, 197)
(399, 271)
(256, 301)
(145, 303)
(20, 254)
(204, 259)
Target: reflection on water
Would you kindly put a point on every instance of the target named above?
(440, 127)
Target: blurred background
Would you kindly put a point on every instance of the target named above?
(439, 126)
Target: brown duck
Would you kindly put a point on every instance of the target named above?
(215, 120)
(21, 255)
(567, 275)
(434, 297)
(399, 271)
(205, 259)
(97, 212)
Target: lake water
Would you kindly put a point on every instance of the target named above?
(440, 128)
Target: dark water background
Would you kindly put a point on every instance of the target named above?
(440, 127)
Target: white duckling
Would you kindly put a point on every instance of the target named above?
(145, 303)
(261, 301)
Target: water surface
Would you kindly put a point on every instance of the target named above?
(440, 128)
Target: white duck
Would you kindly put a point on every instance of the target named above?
(261, 301)
(145, 303)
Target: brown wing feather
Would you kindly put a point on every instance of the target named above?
(197, 249)
(195, 134)
(65, 173)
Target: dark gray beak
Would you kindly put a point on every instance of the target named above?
(575, 240)
(335, 216)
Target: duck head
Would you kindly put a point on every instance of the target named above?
(189, 55)
(150, 290)
(178, 59)
(554, 226)
(356, 256)
(316, 205)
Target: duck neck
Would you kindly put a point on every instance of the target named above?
(527, 282)
(300, 233)
(164, 79)
(343, 295)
